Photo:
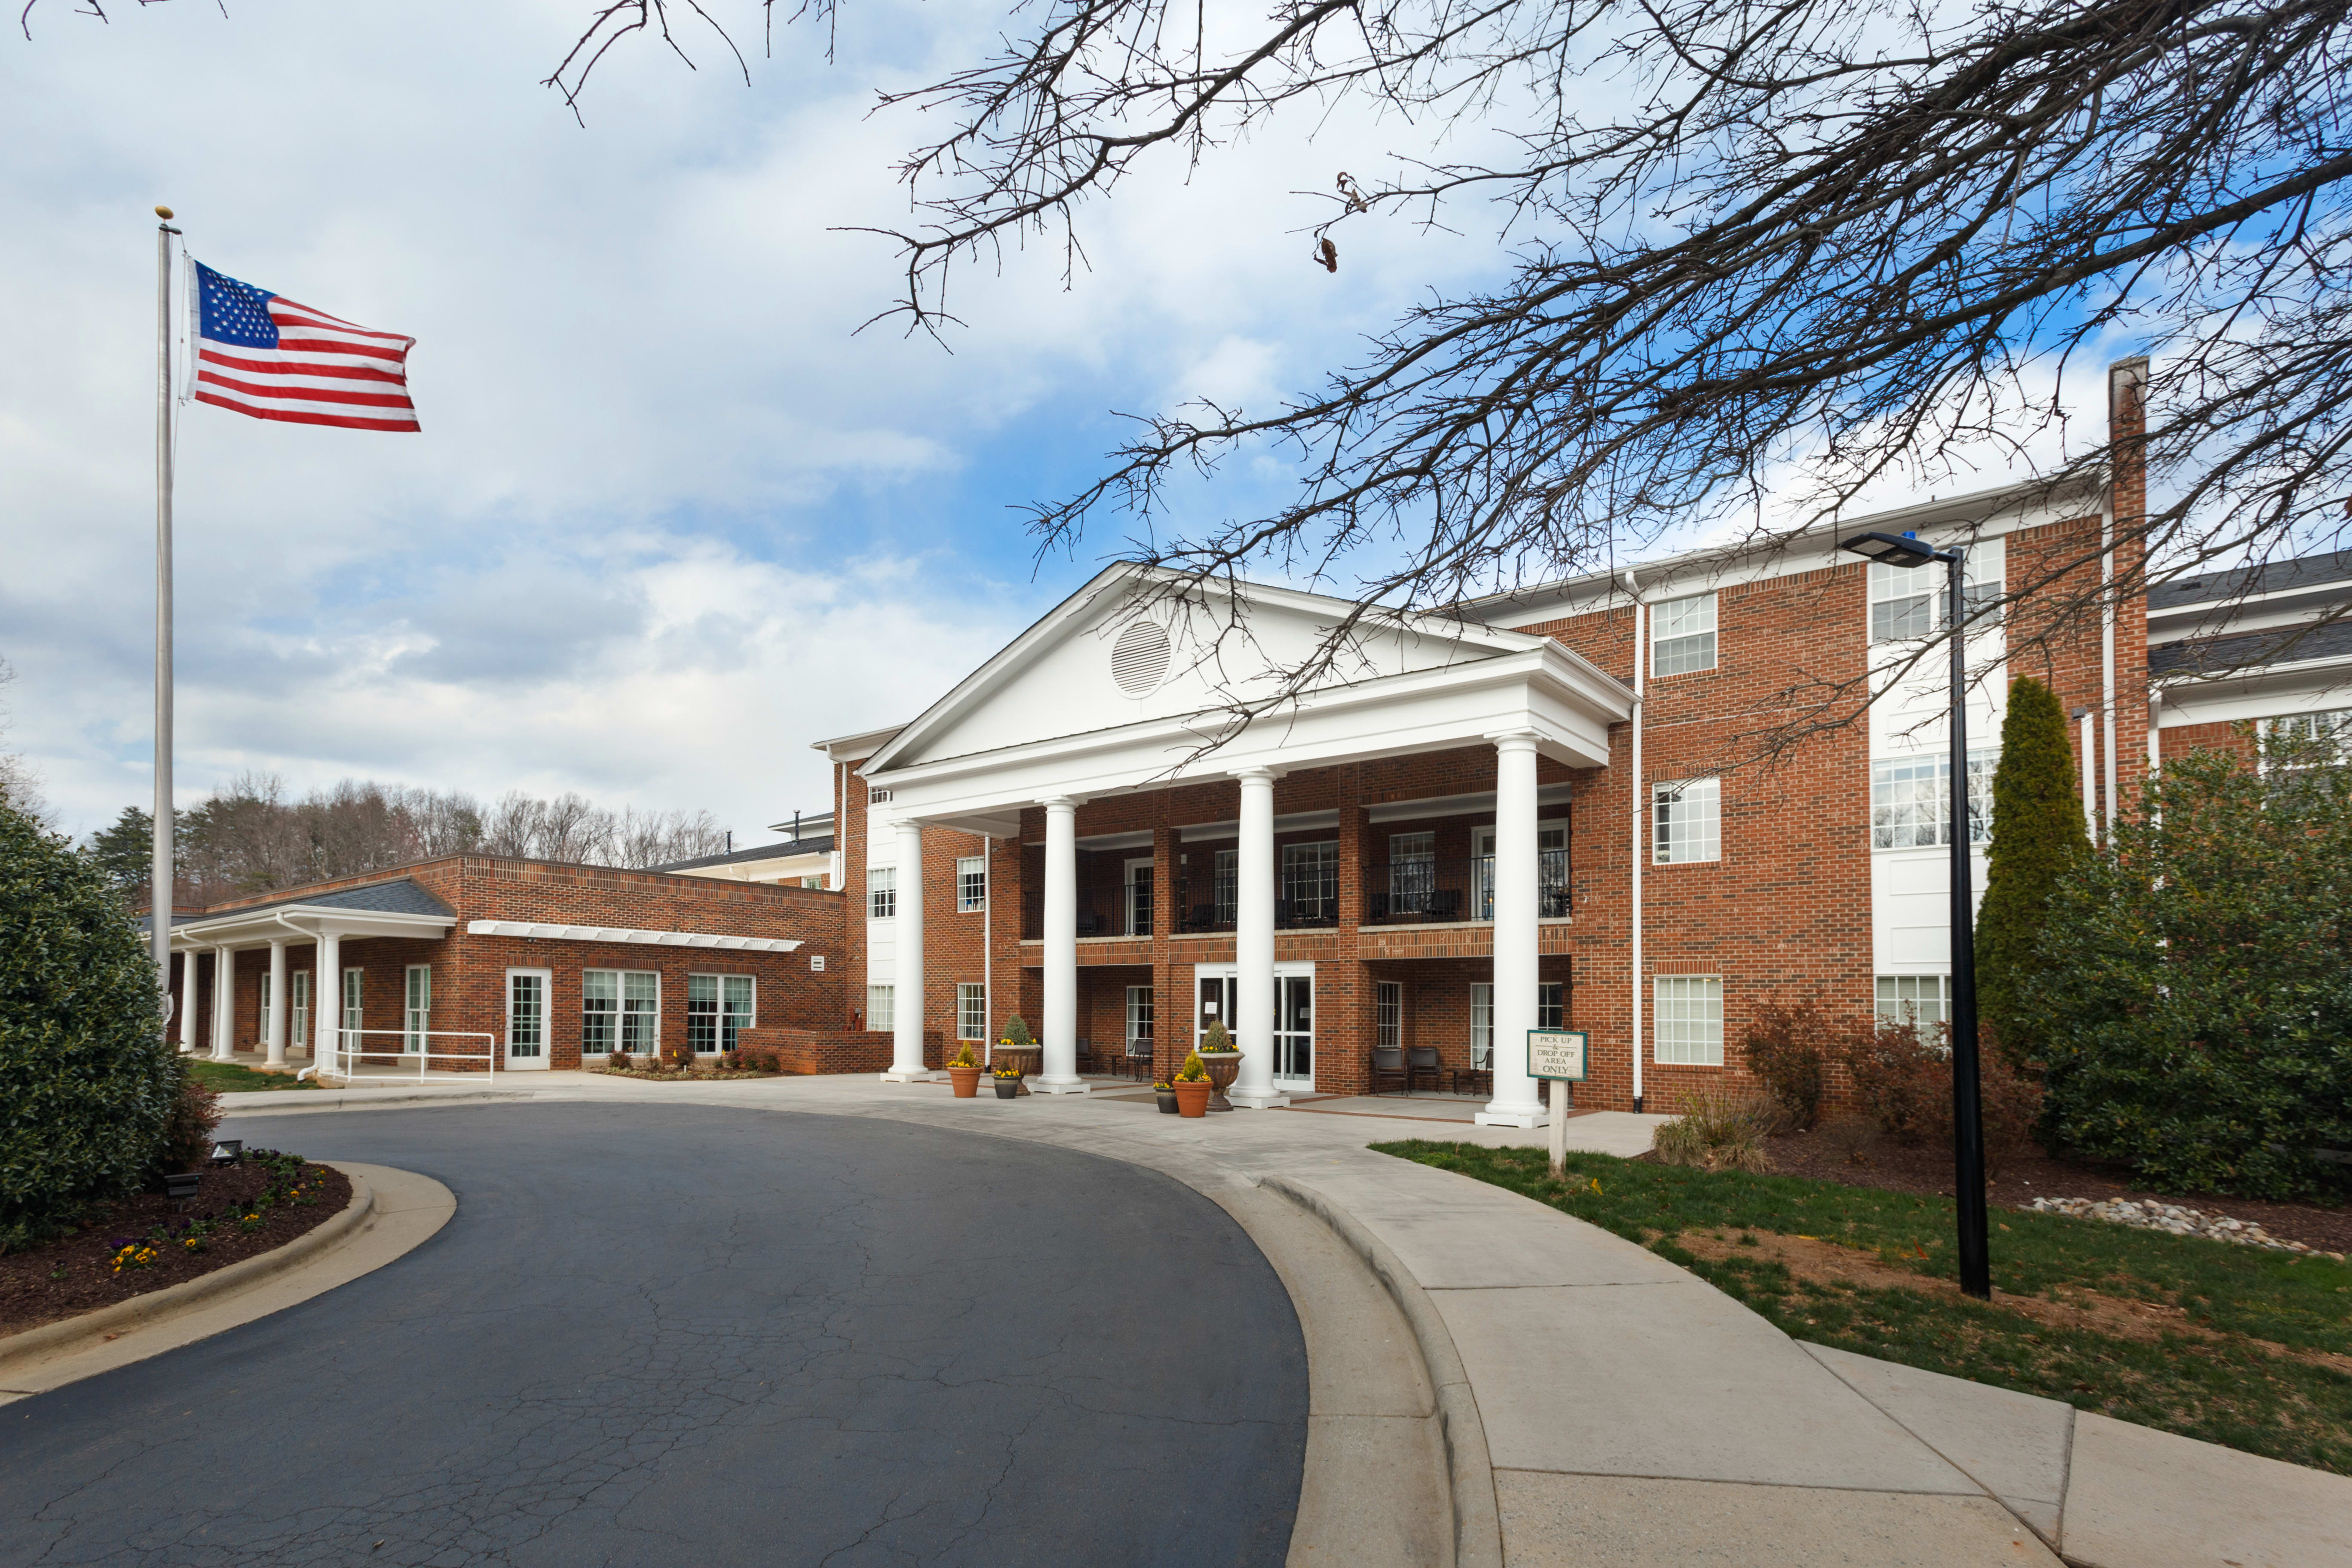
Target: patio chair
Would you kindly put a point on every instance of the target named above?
(1138, 1060)
(1203, 917)
(1388, 1068)
(1421, 1062)
(1086, 1062)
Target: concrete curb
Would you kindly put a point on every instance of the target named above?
(1470, 1472)
(272, 1102)
(51, 1339)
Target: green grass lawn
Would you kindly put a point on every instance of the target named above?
(228, 1076)
(2212, 1379)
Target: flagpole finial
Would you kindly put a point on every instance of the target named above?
(164, 213)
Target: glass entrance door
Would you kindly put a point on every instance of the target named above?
(1216, 1005)
(527, 1020)
(1294, 1031)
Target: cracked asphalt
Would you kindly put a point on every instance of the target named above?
(693, 1336)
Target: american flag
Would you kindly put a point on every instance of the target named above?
(262, 354)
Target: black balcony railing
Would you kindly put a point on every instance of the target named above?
(1102, 911)
(1448, 892)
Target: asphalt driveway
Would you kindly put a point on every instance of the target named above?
(702, 1336)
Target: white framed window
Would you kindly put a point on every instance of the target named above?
(879, 797)
(1682, 635)
(263, 1014)
(352, 1017)
(972, 883)
(1387, 1014)
(718, 1007)
(1135, 898)
(1551, 1004)
(1686, 1021)
(2312, 740)
(1310, 882)
(620, 1009)
(298, 1000)
(881, 1007)
(1139, 1013)
(882, 893)
(1911, 800)
(1482, 1025)
(1908, 601)
(1915, 998)
(1689, 817)
(1224, 886)
(416, 1010)
(972, 1011)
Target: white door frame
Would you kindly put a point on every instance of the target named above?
(546, 1021)
(1288, 968)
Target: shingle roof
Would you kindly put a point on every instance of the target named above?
(762, 852)
(2249, 651)
(402, 897)
(2273, 578)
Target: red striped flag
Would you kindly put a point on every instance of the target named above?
(262, 354)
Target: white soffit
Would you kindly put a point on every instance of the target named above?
(619, 934)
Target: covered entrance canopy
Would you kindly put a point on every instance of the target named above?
(1139, 682)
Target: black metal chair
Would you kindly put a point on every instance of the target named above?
(1388, 1070)
(1138, 1060)
(1444, 906)
(1086, 1062)
(1203, 917)
(1421, 1062)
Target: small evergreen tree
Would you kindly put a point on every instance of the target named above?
(90, 1087)
(2037, 838)
(124, 854)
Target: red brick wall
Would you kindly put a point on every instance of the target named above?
(2182, 740)
(836, 1050)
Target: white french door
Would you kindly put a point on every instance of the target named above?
(1217, 991)
(528, 993)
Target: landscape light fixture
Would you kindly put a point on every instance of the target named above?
(225, 1152)
(182, 1184)
(1967, 1100)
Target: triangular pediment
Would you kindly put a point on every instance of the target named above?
(1131, 648)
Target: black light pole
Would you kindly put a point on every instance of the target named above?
(1967, 1101)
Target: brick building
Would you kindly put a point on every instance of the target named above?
(1549, 811)
(471, 958)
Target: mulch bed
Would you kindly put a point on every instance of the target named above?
(1928, 1168)
(74, 1273)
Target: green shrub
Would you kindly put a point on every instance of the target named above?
(188, 1130)
(2194, 982)
(1788, 1046)
(91, 1083)
(1904, 1074)
(1016, 1033)
(2037, 837)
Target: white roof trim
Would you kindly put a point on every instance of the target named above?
(621, 933)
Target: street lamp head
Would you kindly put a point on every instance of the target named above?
(1892, 548)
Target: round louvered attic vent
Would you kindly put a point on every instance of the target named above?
(1138, 660)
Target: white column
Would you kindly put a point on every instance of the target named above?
(276, 1041)
(1253, 1024)
(327, 1001)
(224, 1004)
(188, 1000)
(1061, 1037)
(1515, 874)
(906, 1018)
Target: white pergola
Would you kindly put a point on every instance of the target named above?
(1084, 705)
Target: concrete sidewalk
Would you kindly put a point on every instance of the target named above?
(1602, 1407)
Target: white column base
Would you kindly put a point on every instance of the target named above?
(1060, 1086)
(1490, 1117)
(1257, 1098)
(913, 1075)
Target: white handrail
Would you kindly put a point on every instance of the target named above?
(345, 1059)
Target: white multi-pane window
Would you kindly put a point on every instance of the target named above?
(1310, 882)
(1915, 998)
(881, 1007)
(1911, 800)
(297, 999)
(2309, 740)
(1682, 635)
(972, 883)
(417, 1008)
(1551, 1010)
(264, 1015)
(620, 1009)
(1482, 1025)
(882, 892)
(1688, 819)
(1225, 886)
(972, 1011)
(352, 1016)
(1687, 1020)
(1908, 601)
(1139, 1015)
(718, 1007)
(1387, 1014)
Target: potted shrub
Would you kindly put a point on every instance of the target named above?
(1167, 1093)
(1008, 1080)
(1192, 1087)
(1221, 1060)
(964, 1072)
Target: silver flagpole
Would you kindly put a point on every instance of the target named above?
(161, 873)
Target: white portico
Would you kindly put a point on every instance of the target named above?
(1125, 689)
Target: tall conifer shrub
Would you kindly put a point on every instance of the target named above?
(2037, 838)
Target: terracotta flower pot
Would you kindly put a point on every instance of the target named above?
(1192, 1099)
(1223, 1065)
(966, 1081)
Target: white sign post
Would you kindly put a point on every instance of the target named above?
(1559, 1055)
